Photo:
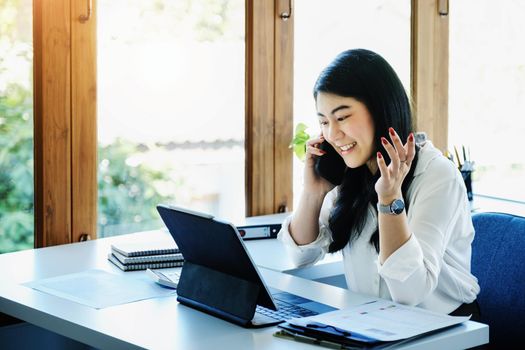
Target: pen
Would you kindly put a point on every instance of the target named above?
(451, 157)
(457, 157)
(309, 340)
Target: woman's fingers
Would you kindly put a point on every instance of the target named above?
(392, 153)
(383, 168)
(397, 144)
(410, 148)
(315, 150)
(313, 146)
(393, 174)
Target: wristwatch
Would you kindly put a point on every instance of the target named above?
(394, 208)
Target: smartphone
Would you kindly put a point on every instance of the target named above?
(331, 165)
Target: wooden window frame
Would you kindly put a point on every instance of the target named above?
(65, 138)
(269, 107)
(52, 124)
(429, 66)
(65, 108)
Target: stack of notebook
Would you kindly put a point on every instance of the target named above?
(145, 255)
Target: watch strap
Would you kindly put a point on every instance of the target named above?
(390, 208)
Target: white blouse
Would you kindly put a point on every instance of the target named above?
(432, 269)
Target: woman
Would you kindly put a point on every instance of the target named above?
(400, 216)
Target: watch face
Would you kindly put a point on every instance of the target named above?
(397, 206)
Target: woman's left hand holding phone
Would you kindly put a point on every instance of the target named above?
(304, 227)
(313, 182)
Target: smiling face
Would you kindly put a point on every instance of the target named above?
(348, 126)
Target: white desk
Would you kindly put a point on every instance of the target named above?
(163, 323)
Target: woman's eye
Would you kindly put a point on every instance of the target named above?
(340, 119)
(323, 123)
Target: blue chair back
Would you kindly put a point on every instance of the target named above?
(498, 261)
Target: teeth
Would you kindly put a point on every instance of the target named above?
(347, 147)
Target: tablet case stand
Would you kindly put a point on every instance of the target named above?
(219, 294)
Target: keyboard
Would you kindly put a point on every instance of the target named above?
(285, 311)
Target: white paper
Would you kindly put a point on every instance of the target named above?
(384, 320)
(99, 289)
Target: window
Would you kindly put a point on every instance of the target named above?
(16, 126)
(325, 28)
(487, 93)
(258, 89)
(170, 110)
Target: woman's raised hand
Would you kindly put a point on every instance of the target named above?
(388, 187)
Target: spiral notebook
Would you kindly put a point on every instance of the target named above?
(147, 258)
(131, 249)
(144, 266)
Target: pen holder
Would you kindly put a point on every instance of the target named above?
(467, 177)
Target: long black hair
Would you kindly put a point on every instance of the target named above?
(367, 77)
